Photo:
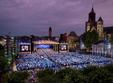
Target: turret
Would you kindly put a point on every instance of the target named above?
(50, 32)
(100, 28)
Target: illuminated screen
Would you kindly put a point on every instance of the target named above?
(63, 47)
(24, 48)
(44, 46)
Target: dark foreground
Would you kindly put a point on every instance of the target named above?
(90, 74)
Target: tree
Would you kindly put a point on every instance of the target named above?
(17, 77)
(91, 74)
(109, 68)
(100, 75)
(70, 76)
(63, 76)
(4, 66)
(45, 73)
(89, 38)
(46, 76)
(89, 69)
(3, 60)
(1, 47)
(111, 39)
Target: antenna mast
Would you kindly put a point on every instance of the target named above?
(92, 2)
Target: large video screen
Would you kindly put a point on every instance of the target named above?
(24, 48)
(44, 46)
(63, 47)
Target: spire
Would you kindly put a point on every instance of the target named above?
(50, 29)
(92, 10)
(92, 14)
(50, 32)
(100, 19)
(92, 6)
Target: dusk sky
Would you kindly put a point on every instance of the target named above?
(26, 17)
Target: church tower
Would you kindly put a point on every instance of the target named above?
(92, 16)
(100, 28)
(91, 23)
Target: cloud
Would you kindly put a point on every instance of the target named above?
(35, 16)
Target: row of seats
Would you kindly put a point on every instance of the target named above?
(47, 58)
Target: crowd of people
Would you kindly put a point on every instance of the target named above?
(47, 58)
(31, 61)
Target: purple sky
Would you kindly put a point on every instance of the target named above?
(26, 17)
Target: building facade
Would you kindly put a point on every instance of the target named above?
(103, 48)
(92, 24)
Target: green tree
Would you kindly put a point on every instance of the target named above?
(45, 73)
(3, 60)
(70, 76)
(63, 76)
(17, 77)
(89, 38)
(109, 68)
(91, 74)
(89, 69)
(111, 39)
(1, 47)
(4, 66)
(46, 76)
(100, 75)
